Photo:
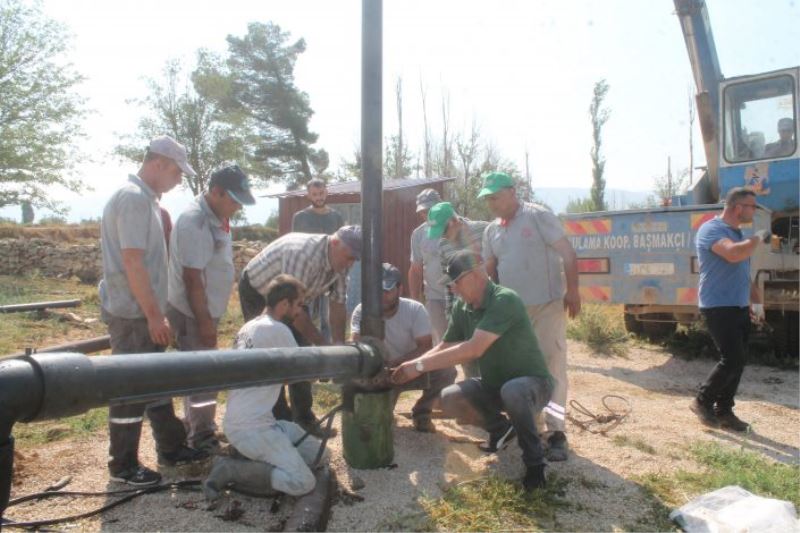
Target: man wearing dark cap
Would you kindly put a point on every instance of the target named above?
(785, 145)
(425, 272)
(133, 300)
(489, 325)
(407, 336)
(201, 276)
(321, 263)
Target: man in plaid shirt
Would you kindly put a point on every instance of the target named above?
(320, 262)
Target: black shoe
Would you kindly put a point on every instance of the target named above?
(182, 456)
(705, 413)
(557, 447)
(138, 476)
(728, 420)
(499, 440)
(534, 478)
(424, 424)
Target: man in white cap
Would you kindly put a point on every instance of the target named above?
(201, 276)
(133, 299)
(425, 272)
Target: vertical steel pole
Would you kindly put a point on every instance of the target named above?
(371, 165)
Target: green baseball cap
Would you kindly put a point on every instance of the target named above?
(438, 216)
(494, 182)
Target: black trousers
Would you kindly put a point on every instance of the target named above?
(730, 329)
(300, 395)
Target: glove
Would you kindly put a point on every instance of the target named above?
(758, 312)
(764, 235)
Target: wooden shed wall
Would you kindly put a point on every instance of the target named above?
(399, 220)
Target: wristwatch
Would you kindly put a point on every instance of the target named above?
(419, 367)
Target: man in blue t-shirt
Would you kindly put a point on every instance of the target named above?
(725, 294)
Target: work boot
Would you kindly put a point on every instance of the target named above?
(137, 476)
(424, 424)
(728, 420)
(182, 456)
(705, 413)
(534, 478)
(253, 478)
(499, 440)
(557, 447)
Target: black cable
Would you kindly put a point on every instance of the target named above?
(131, 494)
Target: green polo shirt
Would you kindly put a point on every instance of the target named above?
(516, 352)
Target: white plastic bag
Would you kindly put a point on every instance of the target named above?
(734, 510)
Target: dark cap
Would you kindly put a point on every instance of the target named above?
(459, 264)
(351, 236)
(427, 198)
(235, 183)
(391, 277)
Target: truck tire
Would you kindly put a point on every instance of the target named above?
(785, 335)
(656, 330)
(633, 325)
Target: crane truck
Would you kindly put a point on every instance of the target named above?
(645, 259)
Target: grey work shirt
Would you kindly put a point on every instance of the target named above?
(426, 251)
(469, 238)
(132, 220)
(408, 324)
(526, 260)
(199, 241)
(309, 221)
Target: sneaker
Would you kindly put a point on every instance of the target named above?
(557, 447)
(424, 424)
(499, 440)
(182, 456)
(728, 420)
(705, 413)
(534, 478)
(138, 476)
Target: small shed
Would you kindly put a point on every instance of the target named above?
(399, 212)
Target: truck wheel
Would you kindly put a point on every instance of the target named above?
(785, 335)
(632, 325)
(656, 331)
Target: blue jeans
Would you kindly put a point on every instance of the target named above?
(472, 402)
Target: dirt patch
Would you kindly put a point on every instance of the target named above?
(602, 492)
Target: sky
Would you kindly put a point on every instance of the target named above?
(523, 71)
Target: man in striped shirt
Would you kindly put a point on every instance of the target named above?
(320, 262)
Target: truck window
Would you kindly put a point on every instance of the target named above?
(758, 119)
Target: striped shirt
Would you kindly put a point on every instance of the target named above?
(304, 256)
(469, 237)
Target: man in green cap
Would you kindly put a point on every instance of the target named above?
(525, 250)
(455, 233)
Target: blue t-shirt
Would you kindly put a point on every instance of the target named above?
(722, 284)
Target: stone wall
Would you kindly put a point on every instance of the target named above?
(82, 260)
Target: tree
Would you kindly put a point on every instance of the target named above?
(580, 205)
(667, 186)
(260, 66)
(599, 115)
(397, 163)
(175, 107)
(40, 112)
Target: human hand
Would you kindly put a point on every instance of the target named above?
(208, 336)
(764, 235)
(757, 313)
(405, 373)
(572, 302)
(160, 331)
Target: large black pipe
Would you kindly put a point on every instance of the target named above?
(371, 165)
(46, 386)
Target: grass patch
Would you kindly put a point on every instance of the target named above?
(601, 328)
(633, 442)
(495, 504)
(30, 330)
(37, 433)
(326, 397)
(722, 467)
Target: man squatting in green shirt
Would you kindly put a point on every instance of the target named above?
(489, 324)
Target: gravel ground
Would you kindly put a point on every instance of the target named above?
(657, 386)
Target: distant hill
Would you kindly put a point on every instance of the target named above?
(558, 197)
